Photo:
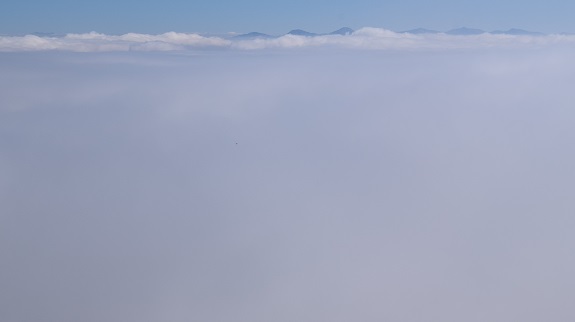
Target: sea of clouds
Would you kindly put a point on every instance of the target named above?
(364, 38)
(323, 184)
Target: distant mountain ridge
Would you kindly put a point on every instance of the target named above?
(299, 32)
(253, 35)
(345, 31)
(296, 32)
(342, 31)
(517, 32)
(462, 31)
(419, 31)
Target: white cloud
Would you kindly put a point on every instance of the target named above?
(169, 37)
(365, 38)
(97, 42)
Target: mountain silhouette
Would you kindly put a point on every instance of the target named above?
(342, 31)
(465, 31)
(253, 35)
(418, 31)
(299, 32)
(517, 32)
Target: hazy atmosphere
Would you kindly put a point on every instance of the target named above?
(210, 162)
(316, 185)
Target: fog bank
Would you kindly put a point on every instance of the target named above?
(287, 186)
(367, 38)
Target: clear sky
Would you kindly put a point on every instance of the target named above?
(277, 17)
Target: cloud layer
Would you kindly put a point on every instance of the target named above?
(285, 186)
(365, 38)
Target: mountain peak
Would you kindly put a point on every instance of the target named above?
(420, 31)
(253, 35)
(342, 31)
(299, 32)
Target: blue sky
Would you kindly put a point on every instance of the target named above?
(107, 16)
